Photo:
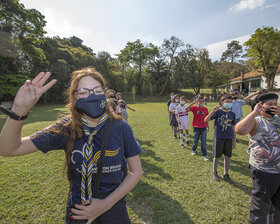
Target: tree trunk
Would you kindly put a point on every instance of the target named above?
(165, 84)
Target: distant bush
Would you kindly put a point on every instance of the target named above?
(9, 85)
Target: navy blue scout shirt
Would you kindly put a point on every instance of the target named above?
(121, 144)
(169, 102)
(223, 124)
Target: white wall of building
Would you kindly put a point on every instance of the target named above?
(276, 80)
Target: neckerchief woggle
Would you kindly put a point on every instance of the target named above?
(226, 119)
(87, 166)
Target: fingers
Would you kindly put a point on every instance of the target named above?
(38, 78)
(48, 85)
(78, 217)
(78, 212)
(44, 79)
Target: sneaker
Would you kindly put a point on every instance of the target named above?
(215, 176)
(205, 158)
(226, 178)
(182, 146)
(237, 140)
(188, 143)
(175, 136)
(193, 153)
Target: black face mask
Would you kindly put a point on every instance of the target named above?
(93, 105)
(268, 111)
(235, 98)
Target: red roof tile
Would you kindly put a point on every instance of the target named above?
(258, 72)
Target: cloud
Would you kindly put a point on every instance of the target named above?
(216, 49)
(247, 4)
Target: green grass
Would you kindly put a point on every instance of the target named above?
(176, 187)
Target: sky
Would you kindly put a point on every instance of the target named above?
(107, 25)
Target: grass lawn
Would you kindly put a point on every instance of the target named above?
(176, 187)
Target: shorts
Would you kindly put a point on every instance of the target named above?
(184, 123)
(223, 146)
(116, 215)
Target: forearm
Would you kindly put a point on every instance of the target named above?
(192, 103)
(124, 188)
(207, 118)
(10, 137)
(249, 97)
(246, 125)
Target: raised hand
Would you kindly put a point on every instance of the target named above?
(234, 143)
(30, 92)
(216, 108)
(275, 110)
(258, 108)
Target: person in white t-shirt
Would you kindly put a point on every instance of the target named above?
(183, 120)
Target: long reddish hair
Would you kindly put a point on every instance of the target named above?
(72, 127)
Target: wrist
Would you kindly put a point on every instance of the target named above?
(255, 113)
(18, 111)
(108, 203)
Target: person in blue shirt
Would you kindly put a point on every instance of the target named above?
(237, 105)
(81, 135)
(225, 137)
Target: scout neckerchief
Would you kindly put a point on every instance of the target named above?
(226, 119)
(273, 120)
(87, 166)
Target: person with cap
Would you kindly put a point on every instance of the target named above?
(263, 128)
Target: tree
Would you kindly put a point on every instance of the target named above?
(192, 67)
(264, 52)
(216, 77)
(169, 50)
(25, 29)
(136, 55)
(233, 52)
(232, 60)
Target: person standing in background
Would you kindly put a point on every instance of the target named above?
(200, 127)
(224, 135)
(172, 95)
(183, 120)
(172, 110)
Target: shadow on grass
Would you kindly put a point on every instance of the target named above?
(150, 168)
(242, 141)
(240, 167)
(153, 206)
(242, 187)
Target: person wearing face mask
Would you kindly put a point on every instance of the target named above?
(172, 95)
(199, 126)
(183, 120)
(96, 168)
(262, 126)
(172, 110)
(225, 137)
(237, 104)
